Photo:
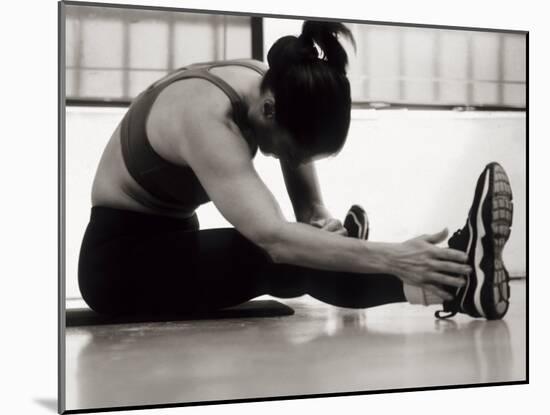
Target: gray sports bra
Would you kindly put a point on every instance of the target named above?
(169, 182)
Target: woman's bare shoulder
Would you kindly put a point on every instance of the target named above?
(188, 108)
(256, 62)
(192, 100)
(180, 111)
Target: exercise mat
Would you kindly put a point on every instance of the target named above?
(257, 308)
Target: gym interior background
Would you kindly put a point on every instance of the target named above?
(431, 108)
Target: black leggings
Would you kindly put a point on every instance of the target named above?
(133, 262)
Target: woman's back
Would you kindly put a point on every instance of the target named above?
(177, 103)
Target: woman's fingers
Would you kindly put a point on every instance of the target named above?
(449, 254)
(330, 225)
(319, 223)
(438, 291)
(333, 225)
(437, 237)
(442, 279)
(451, 267)
(343, 231)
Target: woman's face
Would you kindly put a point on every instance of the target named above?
(279, 143)
(274, 140)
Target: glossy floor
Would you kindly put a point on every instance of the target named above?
(320, 349)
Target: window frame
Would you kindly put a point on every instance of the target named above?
(257, 49)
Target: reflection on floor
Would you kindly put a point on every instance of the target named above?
(320, 349)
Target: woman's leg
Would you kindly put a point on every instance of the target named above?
(220, 268)
(132, 262)
(342, 289)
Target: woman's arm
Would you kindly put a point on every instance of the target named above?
(221, 160)
(304, 191)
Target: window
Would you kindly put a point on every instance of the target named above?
(437, 67)
(112, 53)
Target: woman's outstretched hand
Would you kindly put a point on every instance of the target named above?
(419, 261)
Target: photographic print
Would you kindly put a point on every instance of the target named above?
(264, 207)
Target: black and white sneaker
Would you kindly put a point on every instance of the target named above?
(357, 223)
(487, 290)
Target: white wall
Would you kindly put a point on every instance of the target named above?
(414, 171)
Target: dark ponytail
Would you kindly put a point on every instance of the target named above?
(312, 92)
(325, 34)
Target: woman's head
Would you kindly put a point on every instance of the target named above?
(307, 92)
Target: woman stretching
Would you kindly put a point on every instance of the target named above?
(190, 138)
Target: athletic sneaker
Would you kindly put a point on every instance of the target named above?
(357, 223)
(487, 229)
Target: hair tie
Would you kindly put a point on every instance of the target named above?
(308, 50)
